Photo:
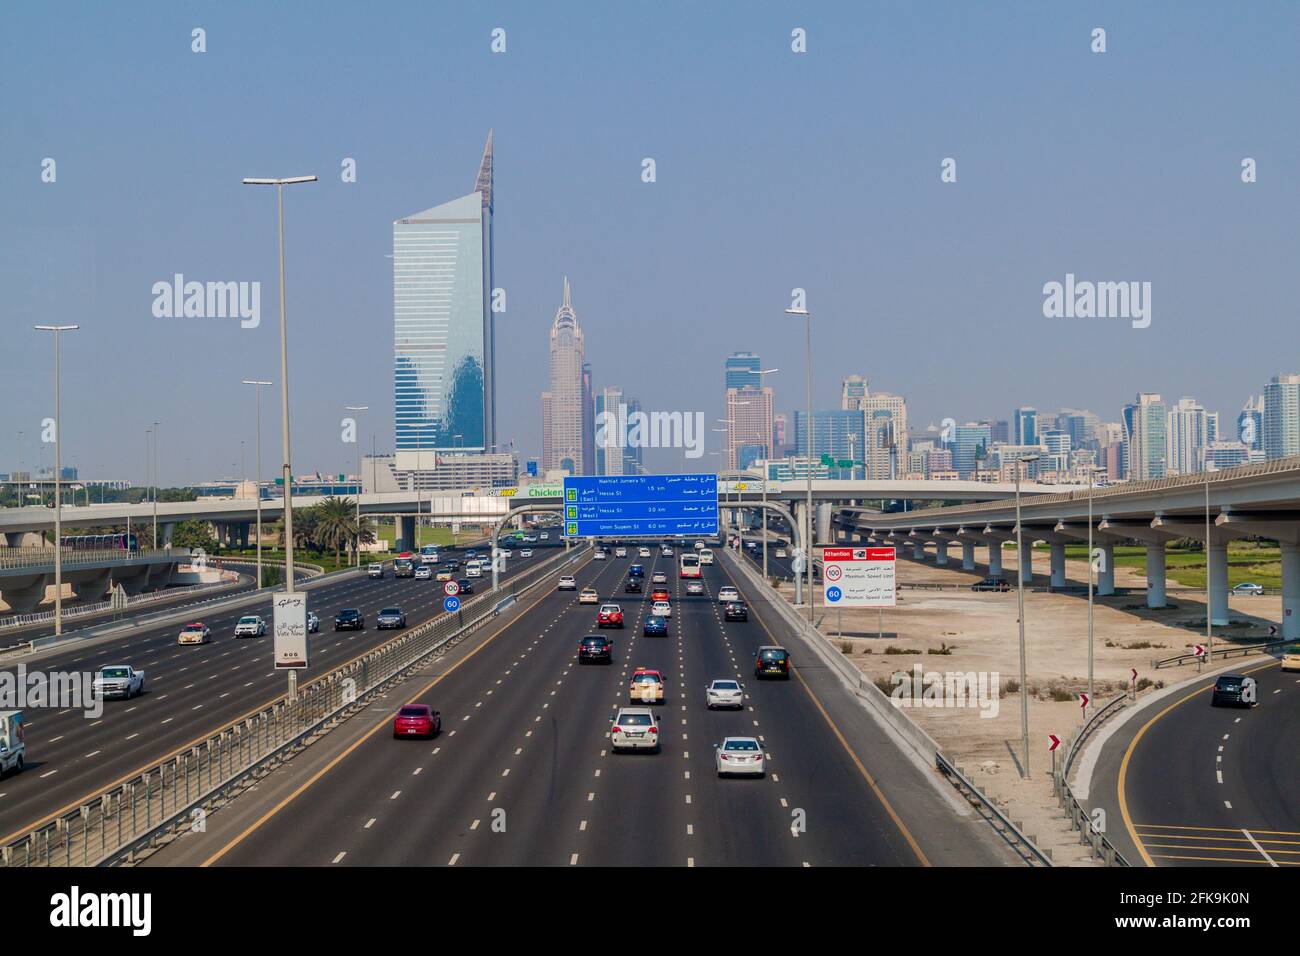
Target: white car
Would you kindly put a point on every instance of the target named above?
(620, 552)
(1248, 588)
(781, 553)
(505, 552)
(599, 556)
(643, 552)
(727, 593)
(694, 587)
(634, 728)
(658, 578)
(473, 571)
(194, 634)
(250, 625)
(588, 596)
(724, 692)
(545, 535)
(424, 573)
(567, 583)
(661, 609)
(526, 552)
(706, 556)
(118, 680)
(666, 552)
(740, 755)
(699, 545)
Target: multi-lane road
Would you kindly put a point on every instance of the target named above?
(522, 772)
(190, 691)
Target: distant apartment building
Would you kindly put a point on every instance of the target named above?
(1146, 441)
(1025, 426)
(885, 427)
(1281, 418)
(839, 433)
(1226, 454)
(749, 425)
(741, 370)
(1250, 424)
(1190, 432)
(970, 447)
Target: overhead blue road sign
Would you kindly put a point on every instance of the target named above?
(640, 505)
(451, 604)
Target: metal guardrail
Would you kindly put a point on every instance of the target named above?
(1079, 818)
(37, 557)
(123, 819)
(1000, 822)
(1226, 652)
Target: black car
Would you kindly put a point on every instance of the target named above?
(772, 662)
(991, 584)
(636, 571)
(466, 586)
(633, 586)
(735, 611)
(594, 648)
(452, 565)
(349, 619)
(1233, 689)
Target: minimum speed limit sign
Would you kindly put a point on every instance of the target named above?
(451, 589)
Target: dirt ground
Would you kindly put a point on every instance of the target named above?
(979, 633)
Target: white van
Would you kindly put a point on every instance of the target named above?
(706, 556)
(13, 750)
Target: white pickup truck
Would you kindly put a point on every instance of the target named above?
(119, 680)
(12, 748)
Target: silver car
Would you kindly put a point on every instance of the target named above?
(727, 593)
(724, 692)
(1247, 587)
(740, 755)
(634, 728)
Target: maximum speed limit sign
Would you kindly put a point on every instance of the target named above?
(451, 589)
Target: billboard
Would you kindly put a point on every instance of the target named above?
(290, 620)
(859, 577)
(640, 505)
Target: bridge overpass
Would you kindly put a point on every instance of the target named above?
(27, 573)
(1250, 501)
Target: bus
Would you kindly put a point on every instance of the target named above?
(98, 542)
(689, 565)
(429, 554)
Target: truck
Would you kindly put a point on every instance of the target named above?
(13, 750)
(403, 567)
(119, 680)
(375, 570)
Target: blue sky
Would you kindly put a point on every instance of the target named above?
(775, 171)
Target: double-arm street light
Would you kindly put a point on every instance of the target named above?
(1093, 472)
(257, 478)
(58, 474)
(808, 518)
(287, 471)
(357, 438)
(1020, 596)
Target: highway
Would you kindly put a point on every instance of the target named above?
(1187, 784)
(522, 773)
(190, 691)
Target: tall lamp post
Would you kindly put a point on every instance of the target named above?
(287, 472)
(1209, 618)
(155, 483)
(358, 408)
(58, 474)
(1093, 472)
(808, 518)
(768, 443)
(257, 479)
(1020, 595)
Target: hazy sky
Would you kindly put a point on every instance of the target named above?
(775, 170)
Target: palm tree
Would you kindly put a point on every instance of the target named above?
(364, 533)
(305, 529)
(336, 524)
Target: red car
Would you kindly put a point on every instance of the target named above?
(609, 615)
(416, 720)
(659, 594)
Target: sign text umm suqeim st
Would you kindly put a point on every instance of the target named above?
(640, 505)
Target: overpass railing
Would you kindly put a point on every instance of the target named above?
(1226, 652)
(1080, 819)
(37, 557)
(178, 792)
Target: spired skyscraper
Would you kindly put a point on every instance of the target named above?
(564, 415)
(444, 337)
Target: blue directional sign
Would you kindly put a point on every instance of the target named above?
(451, 604)
(834, 594)
(640, 505)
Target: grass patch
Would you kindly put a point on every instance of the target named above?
(891, 649)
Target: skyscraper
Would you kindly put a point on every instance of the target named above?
(1146, 449)
(1282, 416)
(444, 338)
(749, 425)
(1189, 436)
(838, 433)
(588, 422)
(612, 432)
(885, 436)
(1250, 424)
(970, 448)
(1025, 426)
(564, 451)
(741, 371)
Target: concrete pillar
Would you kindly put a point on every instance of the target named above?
(941, 553)
(968, 555)
(1290, 590)
(405, 533)
(92, 589)
(824, 511)
(1218, 570)
(1025, 564)
(1106, 578)
(995, 558)
(14, 539)
(918, 551)
(167, 530)
(25, 593)
(1156, 574)
(1058, 564)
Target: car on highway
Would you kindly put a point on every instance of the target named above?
(694, 586)
(598, 556)
(390, 617)
(666, 551)
(375, 570)
(735, 611)
(545, 536)
(1234, 689)
(588, 596)
(505, 553)
(620, 552)
(700, 546)
(659, 577)
(595, 647)
(647, 686)
(655, 626)
(772, 661)
(197, 633)
(991, 584)
(632, 586)
(727, 593)
(609, 615)
(473, 571)
(643, 552)
(634, 728)
(416, 720)
(349, 619)
(313, 622)
(635, 571)
(740, 755)
(424, 572)
(660, 594)
(724, 692)
(706, 556)
(466, 585)
(567, 583)
(1248, 588)
(118, 680)
(1291, 658)
(661, 609)
(443, 574)
(782, 553)
(525, 552)
(250, 625)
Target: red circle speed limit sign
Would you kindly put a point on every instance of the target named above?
(451, 589)
(834, 572)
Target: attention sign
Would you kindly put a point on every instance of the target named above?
(859, 577)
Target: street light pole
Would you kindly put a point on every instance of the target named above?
(286, 470)
(1020, 595)
(358, 408)
(808, 516)
(768, 444)
(1092, 477)
(155, 484)
(58, 474)
(1209, 628)
(257, 481)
